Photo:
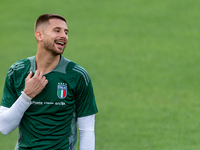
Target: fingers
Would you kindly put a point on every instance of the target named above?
(44, 81)
(41, 77)
(38, 74)
(34, 85)
(29, 75)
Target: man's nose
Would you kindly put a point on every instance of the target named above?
(63, 34)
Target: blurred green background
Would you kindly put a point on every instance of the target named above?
(143, 58)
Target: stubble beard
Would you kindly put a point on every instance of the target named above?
(49, 46)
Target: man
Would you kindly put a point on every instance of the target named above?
(46, 94)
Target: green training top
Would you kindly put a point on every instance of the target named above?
(50, 123)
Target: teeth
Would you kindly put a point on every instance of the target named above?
(60, 43)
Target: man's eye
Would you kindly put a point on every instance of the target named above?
(57, 30)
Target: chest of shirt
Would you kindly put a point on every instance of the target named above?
(58, 95)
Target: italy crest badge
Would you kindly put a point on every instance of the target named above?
(62, 91)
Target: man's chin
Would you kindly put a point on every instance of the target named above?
(58, 52)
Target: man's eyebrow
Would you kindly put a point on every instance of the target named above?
(60, 28)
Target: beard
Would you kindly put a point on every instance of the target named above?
(50, 46)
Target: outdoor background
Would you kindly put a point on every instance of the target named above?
(143, 58)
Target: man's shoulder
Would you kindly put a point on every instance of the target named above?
(74, 67)
(79, 72)
(19, 66)
(70, 65)
(23, 63)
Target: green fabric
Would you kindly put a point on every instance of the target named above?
(50, 122)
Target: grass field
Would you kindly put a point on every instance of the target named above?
(143, 57)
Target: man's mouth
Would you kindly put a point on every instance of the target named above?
(60, 43)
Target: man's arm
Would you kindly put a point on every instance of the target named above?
(11, 117)
(87, 133)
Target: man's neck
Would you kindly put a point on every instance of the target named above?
(46, 63)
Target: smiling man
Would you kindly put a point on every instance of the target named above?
(45, 95)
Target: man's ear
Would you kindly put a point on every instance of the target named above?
(39, 36)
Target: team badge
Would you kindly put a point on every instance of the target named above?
(62, 91)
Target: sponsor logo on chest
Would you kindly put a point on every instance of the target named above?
(62, 90)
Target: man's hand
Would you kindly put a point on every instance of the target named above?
(34, 85)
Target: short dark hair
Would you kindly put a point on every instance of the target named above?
(46, 17)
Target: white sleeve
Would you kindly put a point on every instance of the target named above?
(11, 117)
(87, 136)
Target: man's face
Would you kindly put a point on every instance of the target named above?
(55, 36)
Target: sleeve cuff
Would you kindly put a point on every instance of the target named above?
(25, 97)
